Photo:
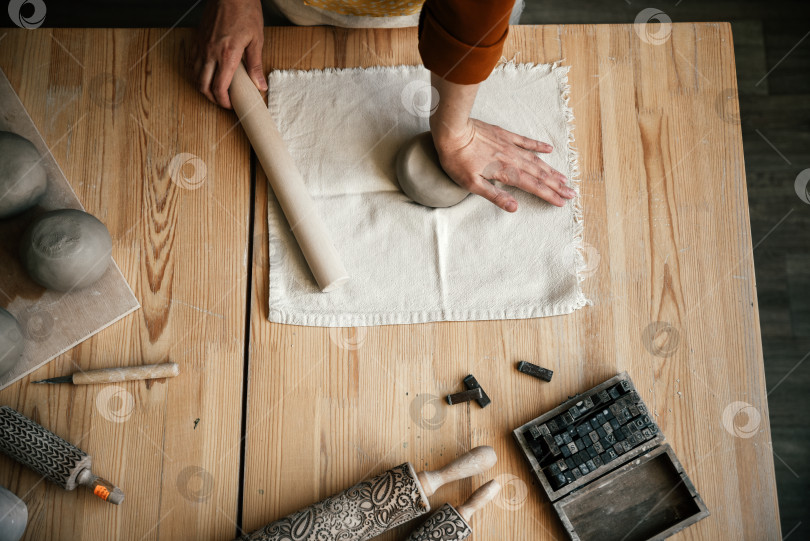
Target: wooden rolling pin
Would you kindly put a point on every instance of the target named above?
(374, 506)
(451, 524)
(287, 183)
(111, 375)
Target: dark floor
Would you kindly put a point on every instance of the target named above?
(772, 46)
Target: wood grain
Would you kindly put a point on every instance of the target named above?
(182, 246)
(52, 321)
(671, 275)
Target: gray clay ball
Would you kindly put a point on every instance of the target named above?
(421, 176)
(12, 342)
(66, 250)
(23, 179)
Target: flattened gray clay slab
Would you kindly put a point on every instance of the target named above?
(52, 322)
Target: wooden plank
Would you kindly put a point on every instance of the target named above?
(666, 229)
(52, 321)
(173, 445)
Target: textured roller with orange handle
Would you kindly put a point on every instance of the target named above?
(287, 183)
(50, 456)
(374, 506)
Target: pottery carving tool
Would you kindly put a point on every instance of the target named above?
(287, 182)
(450, 523)
(372, 507)
(112, 375)
(50, 456)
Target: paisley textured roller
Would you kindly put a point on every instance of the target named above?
(359, 513)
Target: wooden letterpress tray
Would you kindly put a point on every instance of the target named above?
(641, 494)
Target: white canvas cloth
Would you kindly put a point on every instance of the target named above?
(409, 263)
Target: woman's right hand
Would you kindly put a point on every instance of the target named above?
(229, 29)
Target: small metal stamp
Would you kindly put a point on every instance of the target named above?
(561, 465)
(534, 370)
(625, 386)
(554, 469)
(566, 438)
(558, 440)
(594, 436)
(597, 461)
(568, 418)
(552, 425)
(584, 469)
(566, 452)
(465, 396)
(577, 473)
(574, 412)
(592, 452)
(471, 384)
(633, 410)
(597, 446)
(604, 397)
(587, 403)
(614, 393)
(572, 448)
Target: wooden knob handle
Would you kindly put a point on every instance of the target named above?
(110, 375)
(287, 183)
(477, 460)
(479, 499)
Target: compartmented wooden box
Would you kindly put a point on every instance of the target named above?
(608, 435)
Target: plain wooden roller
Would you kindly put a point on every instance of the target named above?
(287, 183)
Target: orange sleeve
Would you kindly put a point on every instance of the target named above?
(462, 40)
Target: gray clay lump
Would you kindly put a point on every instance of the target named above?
(23, 179)
(12, 342)
(66, 250)
(421, 176)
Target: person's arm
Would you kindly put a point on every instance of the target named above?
(460, 42)
(229, 30)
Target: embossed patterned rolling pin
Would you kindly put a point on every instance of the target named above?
(111, 375)
(374, 506)
(451, 524)
(288, 184)
(50, 456)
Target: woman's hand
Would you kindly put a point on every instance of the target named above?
(473, 152)
(229, 29)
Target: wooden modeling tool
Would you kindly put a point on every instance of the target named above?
(111, 375)
(374, 506)
(50, 456)
(287, 183)
(453, 524)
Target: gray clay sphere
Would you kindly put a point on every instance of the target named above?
(12, 342)
(23, 179)
(66, 250)
(421, 176)
(13, 516)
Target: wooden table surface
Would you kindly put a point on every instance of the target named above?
(670, 274)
